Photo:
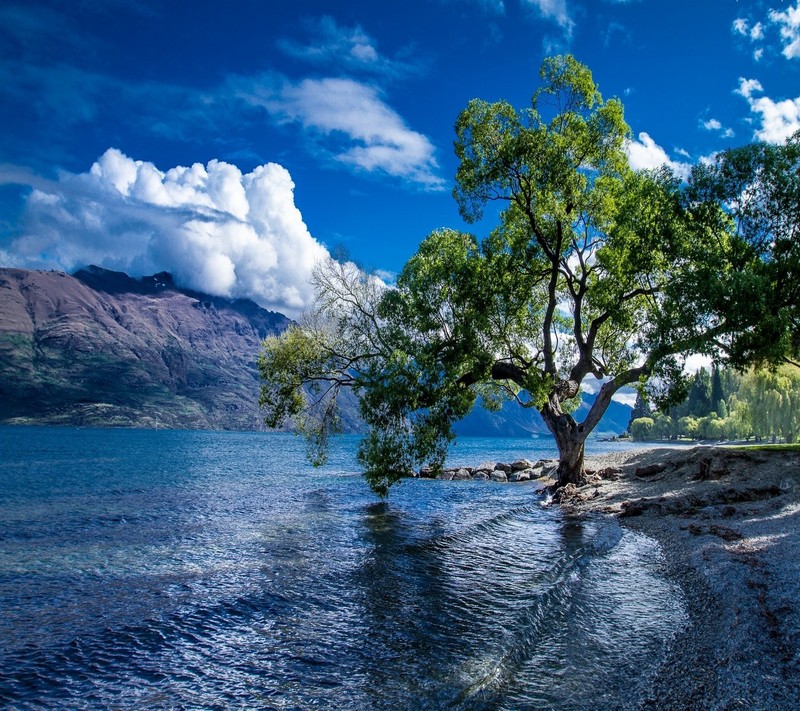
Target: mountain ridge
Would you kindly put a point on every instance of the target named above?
(102, 348)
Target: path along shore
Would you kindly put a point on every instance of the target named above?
(728, 521)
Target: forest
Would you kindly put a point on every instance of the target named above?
(725, 404)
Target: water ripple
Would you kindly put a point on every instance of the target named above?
(186, 570)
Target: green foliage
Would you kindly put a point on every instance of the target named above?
(640, 409)
(642, 428)
(769, 401)
(759, 187)
(592, 270)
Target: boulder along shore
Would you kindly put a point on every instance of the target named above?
(728, 522)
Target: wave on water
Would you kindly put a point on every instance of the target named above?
(215, 570)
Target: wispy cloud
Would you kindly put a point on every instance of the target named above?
(218, 230)
(349, 48)
(779, 119)
(359, 128)
(350, 120)
(555, 10)
(713, 124)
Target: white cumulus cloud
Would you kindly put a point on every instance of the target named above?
(217, 230)
(789, 25)
(645, 153)
(779, 119)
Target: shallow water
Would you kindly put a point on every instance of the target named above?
(216, 570)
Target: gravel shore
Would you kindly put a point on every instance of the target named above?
(727, 521)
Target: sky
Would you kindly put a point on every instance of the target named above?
(235, 144)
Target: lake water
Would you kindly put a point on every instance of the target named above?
(174, 569)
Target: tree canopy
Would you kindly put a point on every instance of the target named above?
(593, 270)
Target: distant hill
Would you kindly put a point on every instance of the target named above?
(102, 348)
(515, 421)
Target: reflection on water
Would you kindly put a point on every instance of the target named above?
(191, 569)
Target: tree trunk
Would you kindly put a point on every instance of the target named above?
(570, 439)
(570, 463)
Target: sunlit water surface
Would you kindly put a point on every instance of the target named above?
(151, 569)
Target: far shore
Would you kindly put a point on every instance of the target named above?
(728, 521)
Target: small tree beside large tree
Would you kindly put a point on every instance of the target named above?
(593, 270)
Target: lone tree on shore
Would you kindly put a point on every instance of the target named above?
(592, 271)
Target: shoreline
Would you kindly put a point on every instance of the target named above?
(728, 523)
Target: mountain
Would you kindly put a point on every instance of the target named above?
(515, 421)
(102, 348)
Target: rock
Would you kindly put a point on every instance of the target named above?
(480, 475)
(522, 464)
(521, 475)
(498, 475)
(632, 508)
(426, 472)
(486, 467)
(445, 475)
(609, 473)
(462, 474)
(650, 469)
(565, 493)
(502, 466)
(549, 469)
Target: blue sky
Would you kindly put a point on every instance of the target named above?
(235, 143)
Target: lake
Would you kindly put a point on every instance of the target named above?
(186, 569)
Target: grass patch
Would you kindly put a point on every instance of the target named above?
(768, 447)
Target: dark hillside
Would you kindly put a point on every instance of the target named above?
(102, 348)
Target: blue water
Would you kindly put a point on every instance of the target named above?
(173, 569)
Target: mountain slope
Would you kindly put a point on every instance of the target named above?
(515, 421)
(101, 348)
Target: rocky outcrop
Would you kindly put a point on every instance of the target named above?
(521, 470)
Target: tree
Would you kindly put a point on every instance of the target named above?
(663, 426)
(769, 400)
(699, 402)
(640, 409)
(594, 270)
(759, 185)
(642, 428)
(717, 394)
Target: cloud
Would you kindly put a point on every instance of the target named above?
(789, 25)
(779, 119)
(625, 396)
(555, 10)
(748, 86)
(496, 7)
(362, 130)
(645, 154)
(713, 124)
(216, 229)
(349, 48)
